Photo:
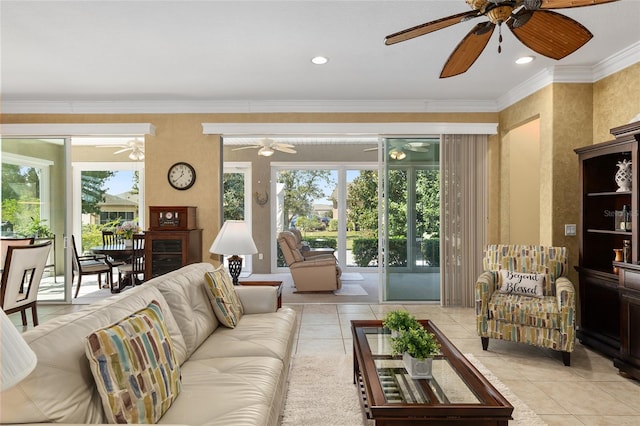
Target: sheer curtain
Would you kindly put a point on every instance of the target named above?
(464, 216)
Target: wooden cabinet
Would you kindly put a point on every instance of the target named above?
(600, 233)
(628, 360)
(166, 251)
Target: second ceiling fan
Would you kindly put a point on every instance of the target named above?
(546, 32)
(267, 147)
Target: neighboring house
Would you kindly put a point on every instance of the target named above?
(121, 206)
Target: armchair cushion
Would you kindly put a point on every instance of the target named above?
(525, 310)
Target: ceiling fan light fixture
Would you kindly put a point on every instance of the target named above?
(319, 60)
(396, 154)
(524, 60)
(266, 151)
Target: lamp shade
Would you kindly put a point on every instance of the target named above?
(17, 359)
(234, 238)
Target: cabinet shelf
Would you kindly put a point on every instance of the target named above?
(609, 231)
(607, 193)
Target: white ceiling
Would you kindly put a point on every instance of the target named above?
(208, 56)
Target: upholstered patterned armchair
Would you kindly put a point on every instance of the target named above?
(508, 307)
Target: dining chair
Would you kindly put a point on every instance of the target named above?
(6, 242)
(110, 238)
(136, 267)
(21, 279)
(90, 265)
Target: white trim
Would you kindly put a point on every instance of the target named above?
(317, 129)
(77, 129)
(22, 160)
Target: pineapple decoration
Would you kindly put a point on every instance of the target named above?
(623, 176)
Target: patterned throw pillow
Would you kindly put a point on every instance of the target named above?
(223, 297)
(521, 283)
(134, 367)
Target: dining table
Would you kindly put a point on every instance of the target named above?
(118, 251)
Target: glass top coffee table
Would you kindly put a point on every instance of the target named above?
(457, 392)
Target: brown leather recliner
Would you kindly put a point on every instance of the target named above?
(304, 248)
(317, 273)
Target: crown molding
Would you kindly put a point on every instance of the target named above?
(75, 129)
(572, 74)
(555, 74)
(349, 129)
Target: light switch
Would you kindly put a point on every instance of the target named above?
(569, 229)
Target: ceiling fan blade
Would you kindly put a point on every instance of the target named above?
(286, 149)
(429, 27)
(468, 50)
(551, 34)
(246, 147)
(281, 145)
(564, 4)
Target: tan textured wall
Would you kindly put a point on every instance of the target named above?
(616, 100)
(524, 178)
(179, 138)
(533, 107)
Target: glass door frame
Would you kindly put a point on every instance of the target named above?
(245, 168)
(341, 169)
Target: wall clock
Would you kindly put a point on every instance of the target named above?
(181, 176)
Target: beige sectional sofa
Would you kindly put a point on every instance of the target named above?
(229, 376)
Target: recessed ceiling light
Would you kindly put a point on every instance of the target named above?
(320, 60)
(524, 60)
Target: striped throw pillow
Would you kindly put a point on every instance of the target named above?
(223, 297)
(134, 367)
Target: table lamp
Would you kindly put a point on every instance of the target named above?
(17, 359)
(234, 239)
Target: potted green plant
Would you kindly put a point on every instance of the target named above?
(399, 320)
(417, 347)
(37, 228)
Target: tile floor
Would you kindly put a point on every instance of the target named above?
(590, 392)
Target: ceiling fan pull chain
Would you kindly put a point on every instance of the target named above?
(500, 37)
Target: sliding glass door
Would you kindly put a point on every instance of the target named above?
(333, 205)
(33, 202)
(411, 219)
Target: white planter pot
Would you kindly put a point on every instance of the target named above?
(417, 369)
(128, 242)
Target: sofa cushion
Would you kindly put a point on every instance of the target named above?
(229, 392)
(62, 389)
(525, 310)
(186, 294)
(269, 335)
(224, 299)
(134, 367)
(521, 283)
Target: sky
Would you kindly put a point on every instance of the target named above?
(120, 182)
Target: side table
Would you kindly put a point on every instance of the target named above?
(271, 283)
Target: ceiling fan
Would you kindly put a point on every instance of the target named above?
(136, 146)
(397, 149)
(268, 147)
(546, 32)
